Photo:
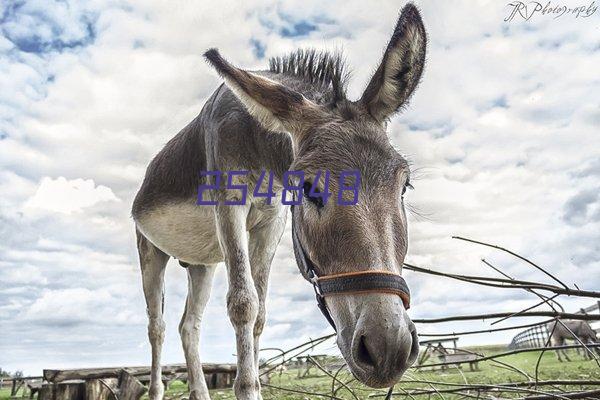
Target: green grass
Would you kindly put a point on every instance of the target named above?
(489, 373)
(4, 394)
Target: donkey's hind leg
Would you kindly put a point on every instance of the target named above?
(153, 262)
(200, 279)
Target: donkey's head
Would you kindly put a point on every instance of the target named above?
(375, 334)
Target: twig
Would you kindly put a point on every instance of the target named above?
(508, 328)
(513, 368)
(505, 283)
(582, 317)
(312, 360)
(508, 353)
(311, 344)
(302, 392)
(541, 296)
(592, 394)
(537, 364)
(544, 301)
(515, 255)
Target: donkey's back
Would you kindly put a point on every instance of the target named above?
(222, 137)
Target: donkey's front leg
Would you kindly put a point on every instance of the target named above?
(264, 239)
(242, 299)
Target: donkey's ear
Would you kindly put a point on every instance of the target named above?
(400, 70)
(275, 106)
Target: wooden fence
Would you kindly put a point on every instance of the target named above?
(122, 383)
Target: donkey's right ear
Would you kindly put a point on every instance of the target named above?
(275, 106)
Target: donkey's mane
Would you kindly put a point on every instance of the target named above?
(317, 67)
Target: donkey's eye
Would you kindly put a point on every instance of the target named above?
(306, 190)
(407, 186)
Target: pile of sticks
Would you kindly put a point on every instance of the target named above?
(530, 387)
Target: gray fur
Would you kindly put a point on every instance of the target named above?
(568, 329)
(294, 116)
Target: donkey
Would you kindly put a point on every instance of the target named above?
(580, 331)
(294, 116)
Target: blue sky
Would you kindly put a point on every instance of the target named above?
(502, 135)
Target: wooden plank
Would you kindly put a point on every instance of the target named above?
(60, 375)
(70, 390)
(101, 389)
(129, 387)
(46, 392)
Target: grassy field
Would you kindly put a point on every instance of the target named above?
(489, 373)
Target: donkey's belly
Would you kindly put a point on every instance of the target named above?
(184, 231)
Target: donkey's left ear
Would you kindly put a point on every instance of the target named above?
(400, 70)
(275, 106)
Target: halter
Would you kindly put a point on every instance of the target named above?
(346, 283)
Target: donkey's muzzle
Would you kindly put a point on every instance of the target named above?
(384, 343)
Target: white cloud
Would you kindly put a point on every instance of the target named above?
(68, 196)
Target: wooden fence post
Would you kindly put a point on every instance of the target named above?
(46, 392)
(129, 387)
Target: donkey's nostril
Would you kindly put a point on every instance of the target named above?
(363, 355)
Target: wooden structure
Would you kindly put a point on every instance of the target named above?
(448, 355)
(29, 383)
(459, 357)
(122, 383)
(435, 346)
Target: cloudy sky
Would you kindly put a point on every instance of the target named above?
(503, 135)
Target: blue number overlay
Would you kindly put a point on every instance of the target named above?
(208, 186)
(326, 194)
(344, 188)
(213, 182)
(269, 194)
(242, 188)
(287, 187)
